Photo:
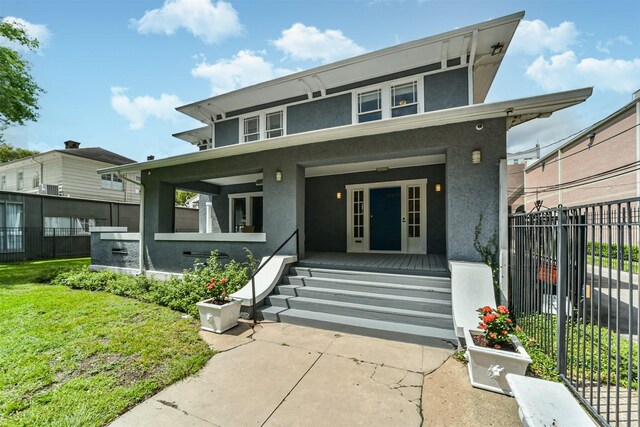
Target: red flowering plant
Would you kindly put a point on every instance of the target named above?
(219, 290)
(497, 325)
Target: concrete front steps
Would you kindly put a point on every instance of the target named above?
(408, 308)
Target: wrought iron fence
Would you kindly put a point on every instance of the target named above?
(574, 289)
(29, 243)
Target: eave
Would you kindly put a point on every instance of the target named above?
(514, 111)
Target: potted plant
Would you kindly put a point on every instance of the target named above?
(493, 351)
(220, 312)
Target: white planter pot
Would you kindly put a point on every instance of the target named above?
(488, 367)
(218, 318)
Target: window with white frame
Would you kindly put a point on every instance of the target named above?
(65, 226)
(274, 124)
(36, 181)
(404, 99)
(20, 181)
(369, 106)
(3, 182)
(390, 99)
(251, 129)
(11, 223)
(262, 125)
(245, 213)
(110, 181)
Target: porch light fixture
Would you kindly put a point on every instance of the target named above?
(339, 195)
(475, 157)
(278, 176)
(438, 188)
(497, 48)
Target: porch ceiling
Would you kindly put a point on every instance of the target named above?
(233, 180)
(404, 162)
(514, 111)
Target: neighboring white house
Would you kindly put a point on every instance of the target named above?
(71, 173)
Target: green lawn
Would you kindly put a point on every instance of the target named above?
(70, 357)
(605, 264)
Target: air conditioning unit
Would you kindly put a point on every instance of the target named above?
(52, 190)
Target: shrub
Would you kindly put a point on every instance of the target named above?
(605, 250)
(180, 294)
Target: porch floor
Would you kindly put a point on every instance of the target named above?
(418, 264)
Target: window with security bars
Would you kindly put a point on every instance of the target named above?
(358, 214)
(413, 196)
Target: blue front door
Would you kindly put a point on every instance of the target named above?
(385, 222)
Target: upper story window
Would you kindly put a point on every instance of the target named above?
(3, 182)
(390, 99)
(404, 99)
(262, 125)
(110, 181)
(369, 106)
(251, 129)
(20, 181)
(36, 181)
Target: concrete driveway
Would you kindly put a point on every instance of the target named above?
(285, 375)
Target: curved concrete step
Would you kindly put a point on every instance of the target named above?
(389, 314)
(368, 276)
(423, 335)
(347, 283)
(368, 298)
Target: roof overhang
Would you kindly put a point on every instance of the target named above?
(195, 136)
(514, 111)
(470, 45)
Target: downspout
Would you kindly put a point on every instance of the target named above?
(141, 226)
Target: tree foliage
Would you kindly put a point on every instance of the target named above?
(8, 153)
(18, 91)
(183, 196)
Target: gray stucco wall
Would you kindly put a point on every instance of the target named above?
(469, 188)
(227, 133)
(446, 90)
(326, 216)
(321, 114)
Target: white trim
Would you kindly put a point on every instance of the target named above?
(537, 105)
(262, 123)
(120, 236)
(397, 163)
(211, 237)
(472, 60)
(365, 245)
(108, 229)
(385, 96)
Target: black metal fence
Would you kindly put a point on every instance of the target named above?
(29, 243)
(573, 288)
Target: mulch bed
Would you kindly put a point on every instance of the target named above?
(481, 341)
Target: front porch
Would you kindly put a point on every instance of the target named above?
(415, 264)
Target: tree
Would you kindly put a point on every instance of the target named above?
(183, 196)
(18, 91)
(8, 153)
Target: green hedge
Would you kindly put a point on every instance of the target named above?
(179, 294)
(596, 249)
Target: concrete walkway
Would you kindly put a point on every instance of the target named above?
(287, 375)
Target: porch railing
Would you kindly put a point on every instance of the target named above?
(253, 276)
(574, 290)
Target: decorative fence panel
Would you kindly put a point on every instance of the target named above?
(29, 243)
(573, 288)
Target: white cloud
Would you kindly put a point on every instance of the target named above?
(210, 22)
(243, 69)
(301, 42)
(604, 46)
(566, 71)
(140, 108)
(536, 37)
(37, 31)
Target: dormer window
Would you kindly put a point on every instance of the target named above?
(262, 125)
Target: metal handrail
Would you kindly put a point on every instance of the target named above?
(253, 281)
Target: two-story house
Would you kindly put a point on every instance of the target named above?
(384, 161)
(71, 173)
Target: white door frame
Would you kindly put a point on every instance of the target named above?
(363, 244)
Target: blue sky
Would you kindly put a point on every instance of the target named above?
(115, 70)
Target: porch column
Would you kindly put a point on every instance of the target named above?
(283, 205)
